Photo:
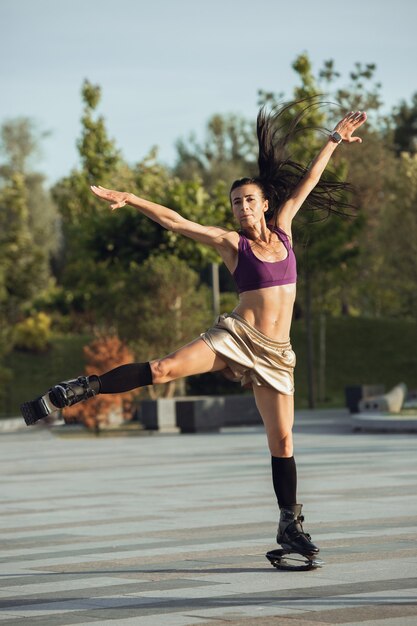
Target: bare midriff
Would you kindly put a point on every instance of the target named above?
(269, 310)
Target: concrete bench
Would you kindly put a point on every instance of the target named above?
(391, 402)
(355, 393)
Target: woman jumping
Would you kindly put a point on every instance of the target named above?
(251, 344)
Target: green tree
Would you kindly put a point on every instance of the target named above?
(397, 234)
(362, 93)
(228, 152)
(5, 333)
(101, 163)
(164, 308)
(24, 271)
(368, 169)
(21, 149)
(86, 221)
(405, 126)
(27, 229)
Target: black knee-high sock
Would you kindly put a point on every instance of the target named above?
(284, 478)
(126, 378)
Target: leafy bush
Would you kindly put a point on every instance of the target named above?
(33, 334)
(102, 355)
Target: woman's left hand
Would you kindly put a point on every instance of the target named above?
(351, 122)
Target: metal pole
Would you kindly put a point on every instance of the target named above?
(215, 285)
(310, 346)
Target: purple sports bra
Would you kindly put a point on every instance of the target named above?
(252, 273)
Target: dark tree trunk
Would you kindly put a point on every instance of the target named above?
(310, 340)
(322, 359)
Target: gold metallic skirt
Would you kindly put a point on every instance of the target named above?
(251, 356)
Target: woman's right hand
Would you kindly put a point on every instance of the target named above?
(117, 199)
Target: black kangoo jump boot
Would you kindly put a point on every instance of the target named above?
(61, 395)
(291, 534)
(298, 553)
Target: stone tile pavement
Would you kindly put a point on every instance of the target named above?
(171, 530)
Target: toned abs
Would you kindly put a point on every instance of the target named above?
(269, 310)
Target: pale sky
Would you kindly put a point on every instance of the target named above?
(166, 66)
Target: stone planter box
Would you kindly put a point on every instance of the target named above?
(200, 414)
(159, 415)
(240, 411)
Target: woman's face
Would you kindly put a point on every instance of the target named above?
(248, 204)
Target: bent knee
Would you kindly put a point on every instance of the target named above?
(281, 447)
(164, 370)
(161, 371)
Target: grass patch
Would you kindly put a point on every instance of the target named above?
(33, 374)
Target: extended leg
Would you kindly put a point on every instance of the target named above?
(194, 358)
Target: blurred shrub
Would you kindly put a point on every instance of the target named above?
(33, 334)
(228, 301)
(102, 355)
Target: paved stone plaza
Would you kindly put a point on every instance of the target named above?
(171, 530)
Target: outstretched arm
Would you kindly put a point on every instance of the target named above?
(351, 122)
(156, 212)
(167, 218)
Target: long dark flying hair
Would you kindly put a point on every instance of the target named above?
(279, 174)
